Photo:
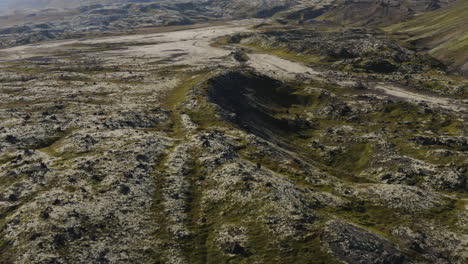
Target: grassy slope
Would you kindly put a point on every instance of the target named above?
(444, 32)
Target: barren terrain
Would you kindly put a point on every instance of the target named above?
(246, 141)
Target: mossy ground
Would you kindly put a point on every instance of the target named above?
(204, 222)
(400, 119)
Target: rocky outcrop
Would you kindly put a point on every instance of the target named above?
(355, 245)
(426, 242)
(87, 201)
(352, 49)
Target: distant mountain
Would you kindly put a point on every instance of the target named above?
(229, 6)
(436, 25)
(38, 4)
(376, 12)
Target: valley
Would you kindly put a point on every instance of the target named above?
(253, 139)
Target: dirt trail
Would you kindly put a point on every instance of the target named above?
(270, 64)
(273, 65)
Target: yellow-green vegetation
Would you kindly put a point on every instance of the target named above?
(276, 158)
(449, 216)
(187, 81)
(53, 149)
(377, 218)
(405, 120)
(7, 251)
(383, 220)
(205, 116)
(425, 153)
(402, 117)
(293, 170)
(401, 120)
(217, 43)
(176, 96)
(202, 246)
(26, 68)
(454, 85)
(355, 158)
(161, 233)
(443, 31)
(279, 109)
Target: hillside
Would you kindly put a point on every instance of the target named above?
(443, 32)
(379, 12)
